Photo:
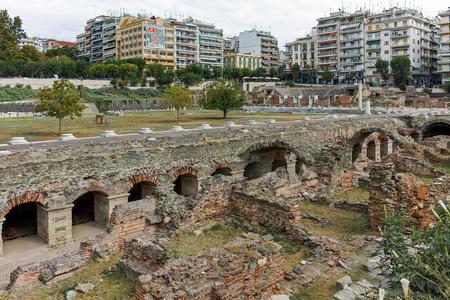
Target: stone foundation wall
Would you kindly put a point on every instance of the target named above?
(242, 269)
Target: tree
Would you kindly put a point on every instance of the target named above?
(166, 78)
(33, 69)
(237, 73)
(68, 68)
(207, 73)
(60, 101)
(259, 72)
(128, 71)
(246, 72)
(11, 67)
(312, 72)
(280, 72)
(177, 97)
(155, 70)
(383, 68)
(401, 68)
(295, 71)
(228, 73)
(217, 71)
(112, 70)
(29, 53)
(71, 53)
(223, 95)
(327, 75)
(10, 33)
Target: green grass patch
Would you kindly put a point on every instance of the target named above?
(319, 290)
(17, 93)
(344, 224)
(355, 195)
(442, 167)
(46, 128)
(187, 243)
(108, 285)
(426, 179)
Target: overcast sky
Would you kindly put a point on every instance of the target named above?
(285, 19)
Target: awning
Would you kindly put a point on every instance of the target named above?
(373, 42)
(333, 33)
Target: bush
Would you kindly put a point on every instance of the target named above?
(402, 86)
(113, 81)
(289, 83)
(428, 91)
(446, 87)
(420, 256)
(134, 82)
(121, 83)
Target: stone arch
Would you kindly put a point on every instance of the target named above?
(142, 185)
(27, 197)
(186, 181)
(361, 135)
(267, 144)
(91, 187)
(222, 168)
(435, 127)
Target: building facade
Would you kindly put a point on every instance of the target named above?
(98, 41)
(210, 44)
(444, 51)
(152, 39)
(241, 60)
(186, 44)
(36, 42)
(261, 43)
(302, 52)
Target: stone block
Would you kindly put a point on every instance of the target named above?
(344, 281)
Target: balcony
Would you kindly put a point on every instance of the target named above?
(326, 39)
(326, 46)
(352, 46)
(399, 45)
(325, 24)
(351, 54)
(352, 38)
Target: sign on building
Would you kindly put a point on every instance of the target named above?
(154, 36)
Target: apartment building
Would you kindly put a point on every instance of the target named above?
(36, 42)
(186, 44)
(241, 60)
(210, 43)
(302, 52)
(98, 41)
(328, 42)
(401, 32)
(152, 39)
(262, 43)
(444, 51)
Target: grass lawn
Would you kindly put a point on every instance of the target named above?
(46, 128)
(112, 285)
(344, 224)
(356, 195)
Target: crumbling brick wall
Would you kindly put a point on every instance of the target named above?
(243, 269)
(391, 191)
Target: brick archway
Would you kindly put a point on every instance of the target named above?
(143, 178)
(440, 125)
(360, 136)
(222, 165)
(27, 197)
(183, 171)
(92, 187)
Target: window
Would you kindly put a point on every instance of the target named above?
(386, 43)
(386, 34)
(370, 27)
(404, 23)
(395, 24)
(386, 51)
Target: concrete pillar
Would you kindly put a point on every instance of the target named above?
(104, 205)
(364, 151)
(368, 107)
(316, 97)
(290, 167)
(310, 101)
(1, 232)
(360, 96)
(377, 152)
(55, 224)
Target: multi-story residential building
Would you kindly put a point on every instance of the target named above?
(401, 32)
(328, 42)
(36, 42)
(263, 44)
(302, 52)
(98, 41)
(241, 60)
(444, 52)
(186, 44)
(227, 44)
(54, 44)
(210, 43)
(149, 38)
(351, 47)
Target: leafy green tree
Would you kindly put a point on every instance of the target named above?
(112, 70)
(246, 72)
(137, 61)
(237, 73)
(82, 69)
(206, 73)
(280, 72)
(259, 72)
(312, 72)
(295, 71)
(217, 71)
(128, 71)
(195, 68)
(190, 78)
(273, 72)
(167, 77)
(228, 73)
(71, 53)
(383, 68)
(327, 75)
(401, 68)
(68, 69)
(10, 33)
(12, 67)
(223, 95)
(155, 70)
(177, 97)
(60, 101)
(29, 53)
(97, 70)
(33, 69)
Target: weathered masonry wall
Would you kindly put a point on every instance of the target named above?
(55, 177)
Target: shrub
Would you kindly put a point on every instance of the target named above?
(446, 87)
(19, 85)
(290, 83)
(422, 257)
(134, 82)
(402, 86)
(113, 82)
(428, 91)
(121, 83)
